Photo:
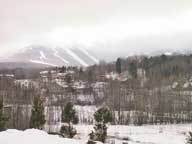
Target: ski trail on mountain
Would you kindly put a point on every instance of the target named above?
(42, 55)
(41, 62)
(56, 54)
(77, 58)
(89, 55)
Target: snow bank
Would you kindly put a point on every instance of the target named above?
(33, 136)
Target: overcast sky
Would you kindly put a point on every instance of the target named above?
(133, 26)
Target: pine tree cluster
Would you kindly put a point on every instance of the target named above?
(37, 114)
(102, 117)
(3, 118)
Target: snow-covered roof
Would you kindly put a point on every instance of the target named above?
(44, 72)
(7, 75)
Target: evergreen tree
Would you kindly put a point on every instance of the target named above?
(132, 70)
(37, 114)
(118, 66)
(68, 79)
(189, 139)
(102, 117)
(90, 76)
(3, 118)
(63, 69)
(69, 116)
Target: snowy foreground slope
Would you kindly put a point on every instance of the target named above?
(161, 134)
(33, 137)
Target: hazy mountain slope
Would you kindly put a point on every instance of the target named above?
(53, 56)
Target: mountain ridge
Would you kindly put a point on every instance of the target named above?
(53, 56)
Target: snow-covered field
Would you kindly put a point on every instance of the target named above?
(160, 134)
(149, 134)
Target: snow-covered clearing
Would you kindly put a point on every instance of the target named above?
(159, 134)
(149, 134)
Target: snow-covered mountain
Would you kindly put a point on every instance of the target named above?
(53, 56)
